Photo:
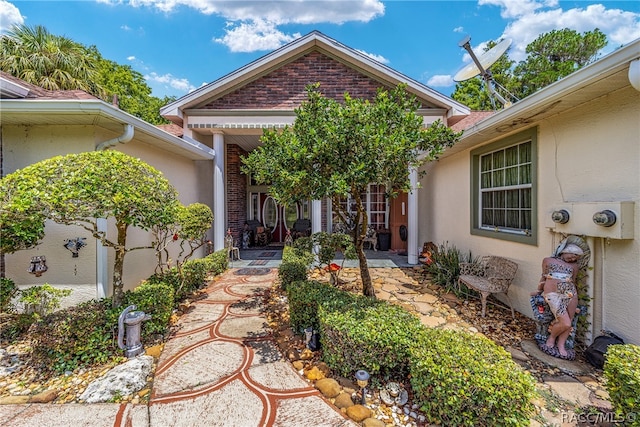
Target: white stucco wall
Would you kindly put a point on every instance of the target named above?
(589, 154)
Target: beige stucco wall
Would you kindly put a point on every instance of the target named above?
(26, 145)
(589, 154)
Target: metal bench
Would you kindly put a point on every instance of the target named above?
(492, 275)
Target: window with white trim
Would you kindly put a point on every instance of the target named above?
(503, 187)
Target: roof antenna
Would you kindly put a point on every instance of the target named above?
(480, 66)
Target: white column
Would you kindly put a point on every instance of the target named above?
(412, 218)
(102, 271)
(316, 216)
(219, 193)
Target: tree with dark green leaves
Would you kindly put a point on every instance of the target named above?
(129, 88)
(550, 57)
(335, 150)
(77, 189)
(555, 55)
(49, 61)
(58, 63)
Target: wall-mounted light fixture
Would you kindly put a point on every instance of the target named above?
(38, 265)
(561, 216)
(74, 245)
(605, 218)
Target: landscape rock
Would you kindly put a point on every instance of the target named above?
(373, 422)
(328, 387)
(44, 397)
(343, 401)
(123, 380)
(314, 374)
(358, 413)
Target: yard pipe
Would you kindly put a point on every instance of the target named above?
(122, 139)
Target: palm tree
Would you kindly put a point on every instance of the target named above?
(46, 60)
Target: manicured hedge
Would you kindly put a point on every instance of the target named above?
(155, 299)
(457, 378)
(467, 380)
(372, 336)
(294, 266)
(622, 372)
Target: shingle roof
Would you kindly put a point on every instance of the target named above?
(173, 129)
(36, 92)
(471, 120)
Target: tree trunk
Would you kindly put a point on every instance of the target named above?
(118, 266)
(367, 285)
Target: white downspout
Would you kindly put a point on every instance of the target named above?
(122, 139)
(102, 272)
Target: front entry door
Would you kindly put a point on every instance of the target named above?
(277, 218)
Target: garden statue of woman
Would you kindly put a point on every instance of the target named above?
(558, 288)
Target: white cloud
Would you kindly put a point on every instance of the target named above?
(9, 16)
(169, 80)
(254, 24)
(458, 30)
(131, 58)
(255, 35)
(530, 18)
(440, 81)
(381, 59)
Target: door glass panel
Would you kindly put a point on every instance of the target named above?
(270, 213)
(290, 215)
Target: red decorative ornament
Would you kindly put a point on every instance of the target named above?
(175, 236)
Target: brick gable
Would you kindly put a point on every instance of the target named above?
(284, 88)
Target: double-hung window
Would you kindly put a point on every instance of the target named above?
(504, 188)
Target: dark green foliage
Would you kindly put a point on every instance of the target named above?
(78, 336)
(467, 380)
(373, 337)
(217, 262)
(16, 326)
(306, 296)
(8, 291)
(445, 268)
(622, 372)
(193, 275)
(155, 299)
(294, 266)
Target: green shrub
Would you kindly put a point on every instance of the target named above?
(74, 337)
(155, 299)
(194, 275)
(304, 298)
(376, 337)
(622, 374)
(218, 262)
(42, 299)
(8, 290)
(16, 326)
(294, 266)
(445, 267)
(462, 379)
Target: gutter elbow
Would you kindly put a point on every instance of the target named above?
(122, 139)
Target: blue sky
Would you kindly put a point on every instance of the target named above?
(179, 45)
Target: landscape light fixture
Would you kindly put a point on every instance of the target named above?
(362, 378)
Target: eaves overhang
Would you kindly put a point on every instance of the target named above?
(97, 113)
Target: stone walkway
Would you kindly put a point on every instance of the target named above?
(220, 369)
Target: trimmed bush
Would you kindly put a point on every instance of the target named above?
(78, 336)
(467, 380)
(376, 337)
(622, 372)
(42, 299)
(217, 262)
(294, 266)
(304, 298)
(155, 299)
